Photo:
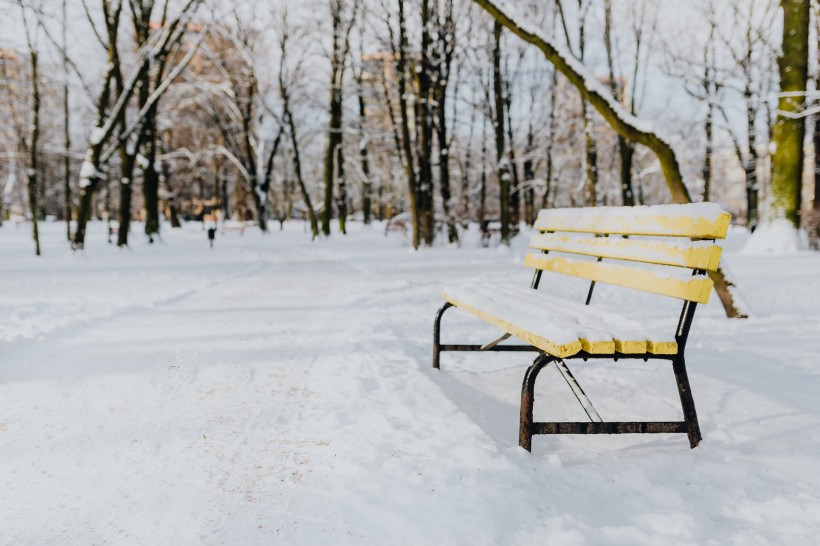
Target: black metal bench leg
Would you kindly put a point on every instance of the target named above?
(686, 400)
(527, 400)
(437, 334)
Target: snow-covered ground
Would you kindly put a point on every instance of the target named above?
(274, 390)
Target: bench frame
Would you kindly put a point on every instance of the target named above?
(528, 428)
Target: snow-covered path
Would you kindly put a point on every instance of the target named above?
(277, 391)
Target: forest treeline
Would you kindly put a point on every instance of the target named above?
(449, 111)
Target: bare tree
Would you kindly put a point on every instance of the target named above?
(116, 93)
(29, 138)
(617, 84)
(286, 83)
(501, 156)
(342, 25)
(66, 122)
(747, 43)
(590, 149)
(401, 52)
(444, 43)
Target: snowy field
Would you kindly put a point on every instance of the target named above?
(278, 391)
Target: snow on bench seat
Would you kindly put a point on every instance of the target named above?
(693, 220)
(558, 326)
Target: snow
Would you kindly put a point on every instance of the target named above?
(776, 237)
(276, 391)
(551, 317)
(651, 219)
(709, 212)
(87, 171)
(97, 134)
(131, 146)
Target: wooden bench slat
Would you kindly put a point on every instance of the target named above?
(696, 221)
(557, 349)
(695, 289)
(694, 255)
(623, 335)
(555, 325)
(629, 336)
(662, 347)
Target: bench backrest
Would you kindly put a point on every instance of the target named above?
(677, 236)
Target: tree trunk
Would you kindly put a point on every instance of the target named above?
(707, 157)
(502, 161)
(150, 179)
(106, 122)
(550, 139)
(367, 188)
(334, 133)
(66, 129)
(127, 160)
(625, 152)
(424, 117)
(409, 162)
(816, 202)
(529, 175)
(750, 163)
(515, 181)
(590, 159)
(130, 146)
(34, 151)
(150, 194)
(482, 195)
(445, 46)
(297, 167)
(31, 182)
(87, 187)
(341, 200)
(444, 162)
(174, 212)
(444, 166)
(787, 133)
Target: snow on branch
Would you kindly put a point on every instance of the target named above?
(625, 124)
(171, 33)
(154, 97)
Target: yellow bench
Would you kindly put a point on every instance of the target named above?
(645, 248)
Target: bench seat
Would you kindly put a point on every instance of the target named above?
(558, 326)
